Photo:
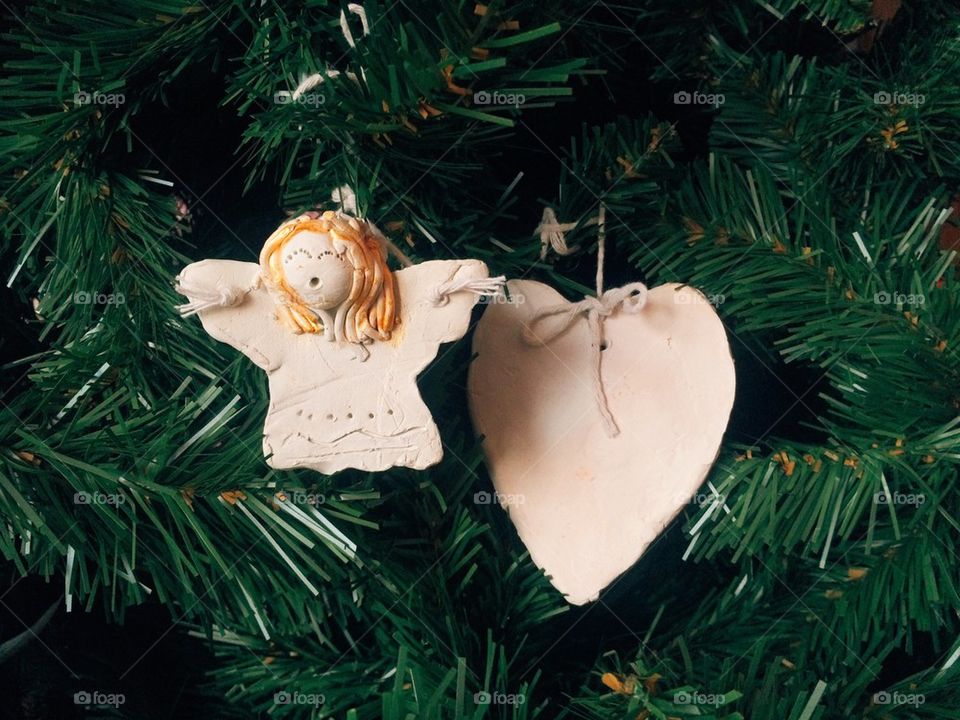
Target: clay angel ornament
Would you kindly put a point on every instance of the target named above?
(341, 337)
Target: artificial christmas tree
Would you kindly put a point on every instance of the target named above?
(794, 162)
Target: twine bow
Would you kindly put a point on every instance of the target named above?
(557, 319)
(630, 298)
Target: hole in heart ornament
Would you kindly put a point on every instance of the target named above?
(593, 454)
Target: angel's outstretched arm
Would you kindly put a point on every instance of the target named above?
(234, 308)
(436, 298)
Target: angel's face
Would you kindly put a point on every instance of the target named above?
(313, 267)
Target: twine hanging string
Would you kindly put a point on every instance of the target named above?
(555, 320)
(553, 233)
(309, 82)
(345, 197)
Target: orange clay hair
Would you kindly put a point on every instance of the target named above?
(371, 310)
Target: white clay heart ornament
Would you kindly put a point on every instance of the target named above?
(594, 451)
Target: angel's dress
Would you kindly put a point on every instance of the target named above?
(330, 410)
